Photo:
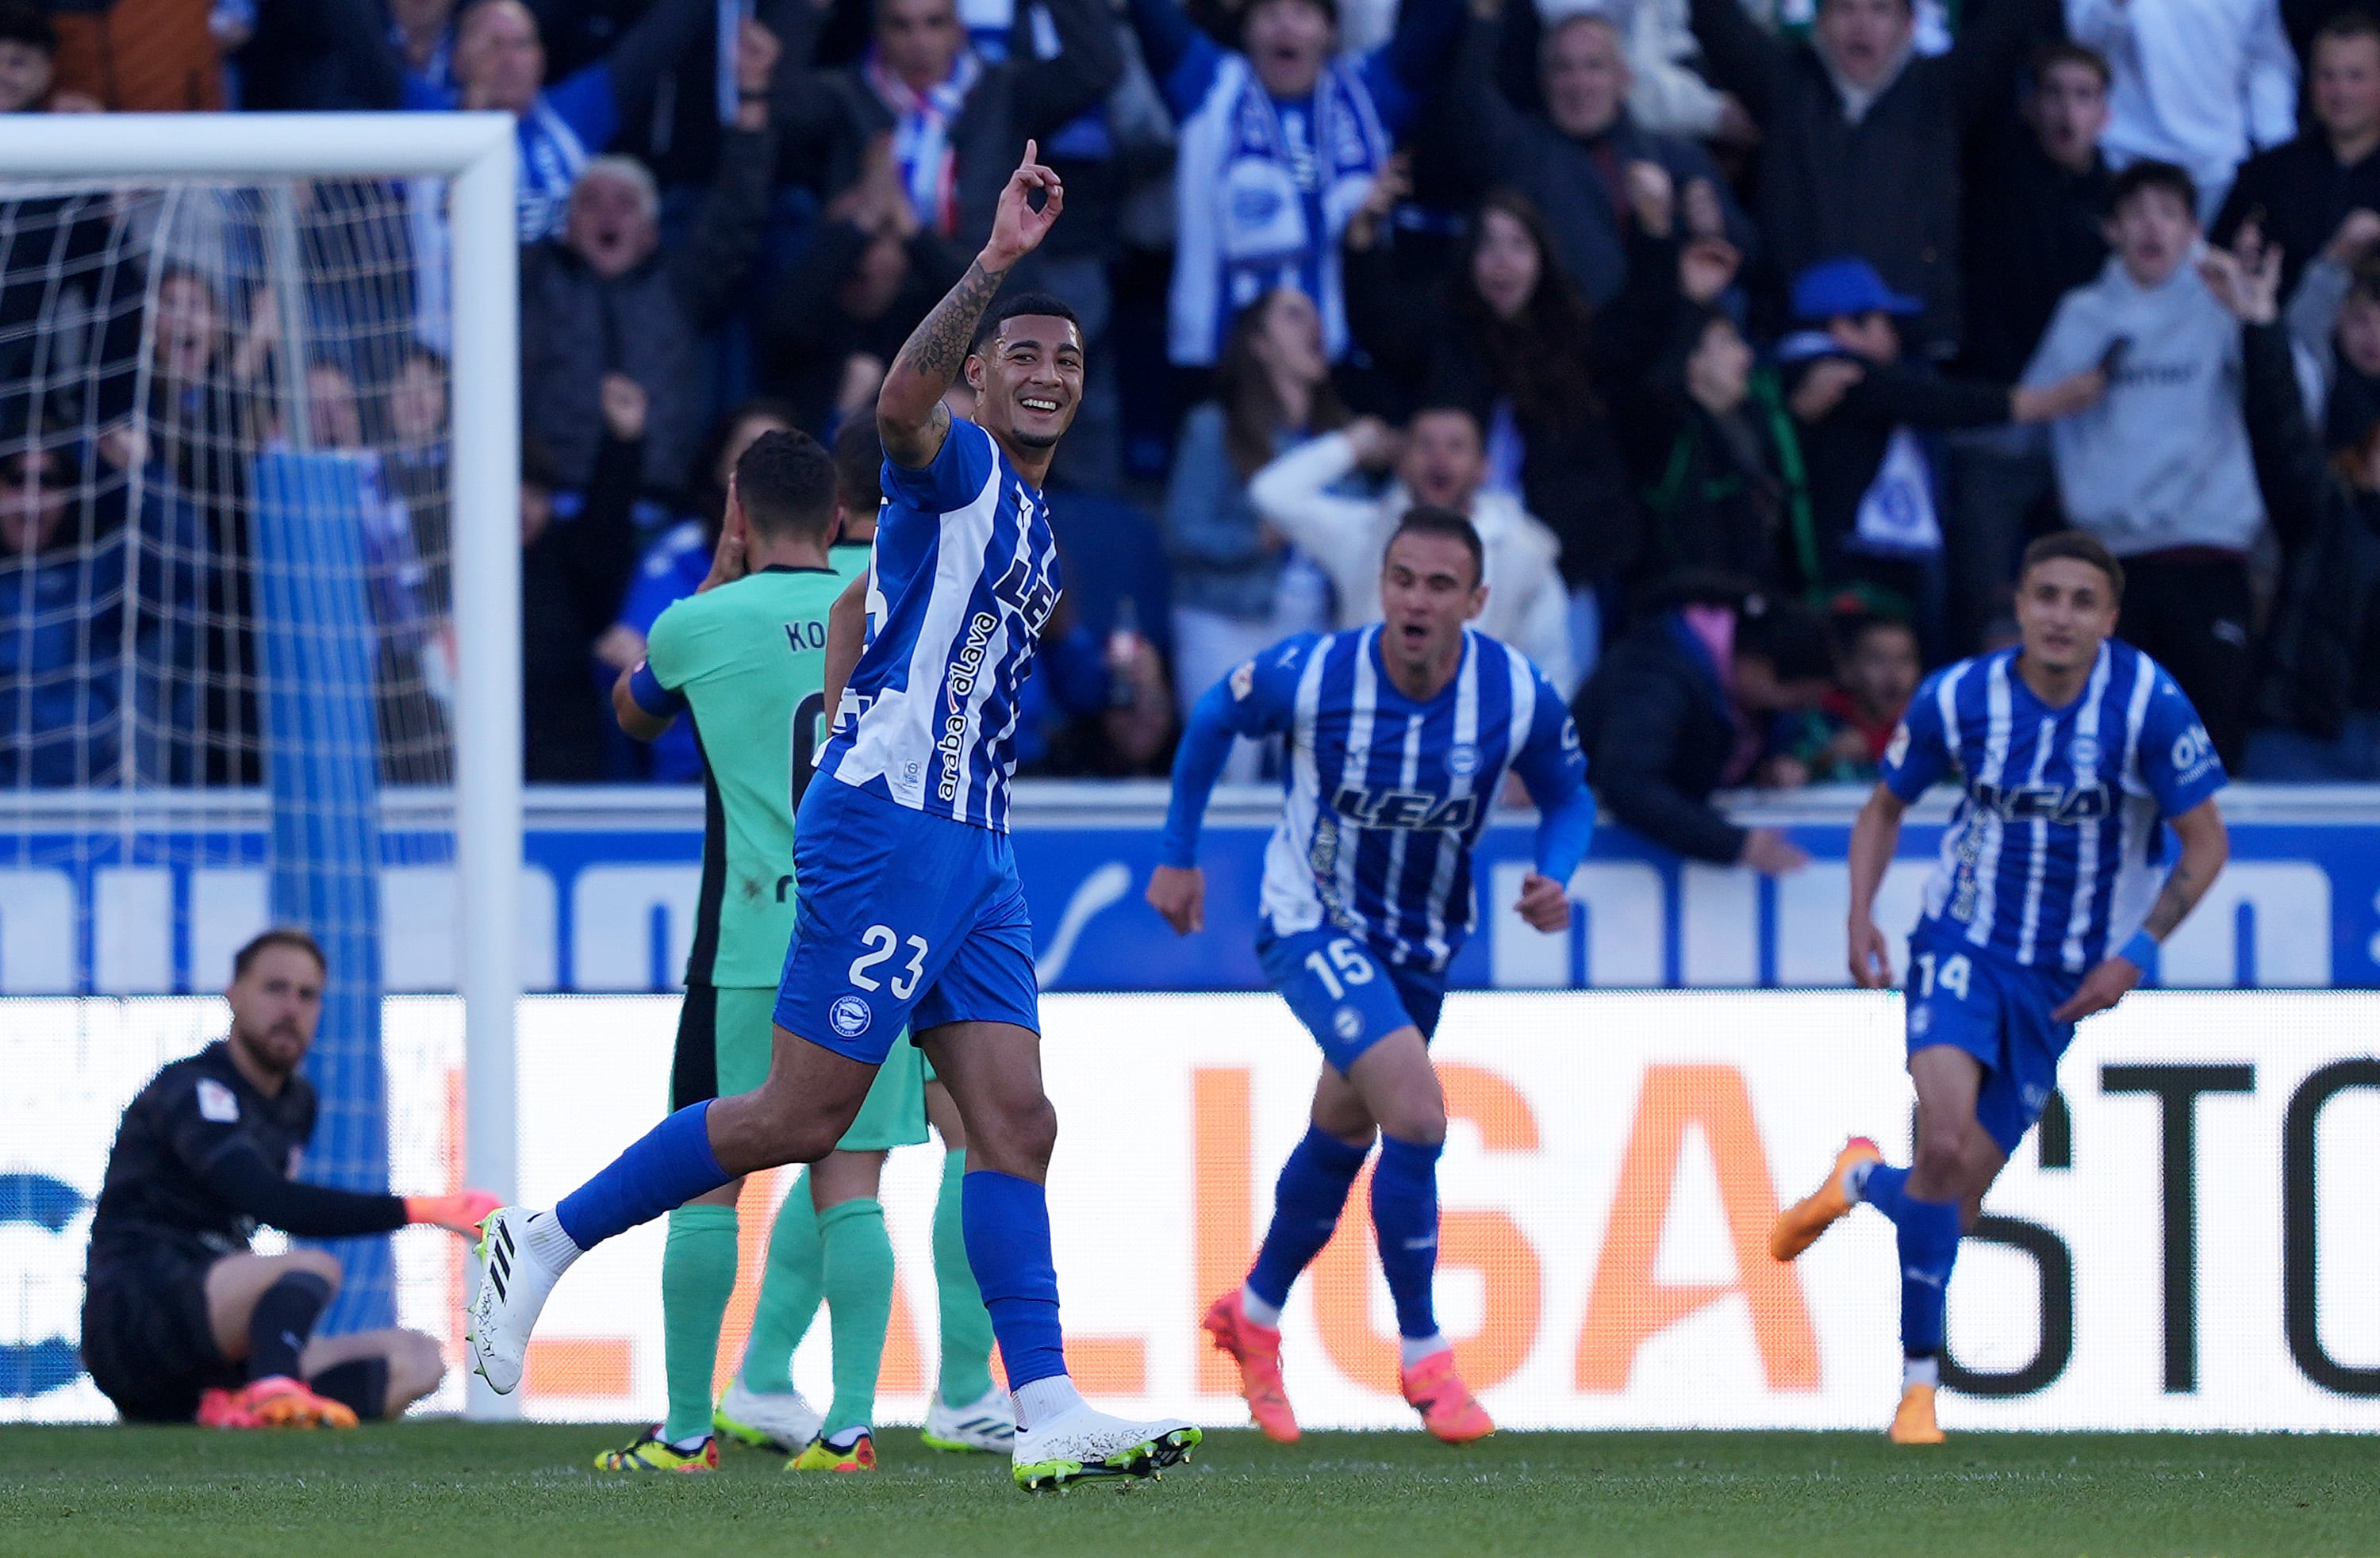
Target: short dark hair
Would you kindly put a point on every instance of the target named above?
(786, 482)
(1857, 627)
(1447, 408)
(1010, 305)
(2356, 23)
(2082, 547)
(1788, 634)
(1329, 9)
(859, 465)
(1428, 519)
(279, 935)
(24, 22)
(2154, 175)
(2067, 52)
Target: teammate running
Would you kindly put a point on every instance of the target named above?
(910, 910)
(745, 658)
(1400, 737)
(2073, 750)
(181, 1319)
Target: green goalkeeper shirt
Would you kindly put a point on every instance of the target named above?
(747, 661)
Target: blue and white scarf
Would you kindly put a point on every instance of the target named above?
(1254, 210)
(921, 137)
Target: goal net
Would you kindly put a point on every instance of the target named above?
(246, 678)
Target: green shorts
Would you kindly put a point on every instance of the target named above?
(723, 1039)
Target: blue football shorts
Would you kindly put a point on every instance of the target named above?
(1347, 998)
(1997, 1012)
(901, 920)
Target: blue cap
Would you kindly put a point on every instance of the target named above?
(1850, 286)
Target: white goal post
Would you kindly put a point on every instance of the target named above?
(475, 152)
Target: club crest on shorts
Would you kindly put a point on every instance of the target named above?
(850, 1016)
(1348, 1023)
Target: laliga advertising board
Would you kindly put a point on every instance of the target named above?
(2188, 1244)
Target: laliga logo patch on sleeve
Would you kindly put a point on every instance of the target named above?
(1898, 753)
(1243, 681)
(216, 1102)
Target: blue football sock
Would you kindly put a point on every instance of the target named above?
(662, 1170)
(1928, 1235)
(1404, 1218)
(1306, 1200)
(1007, 1226)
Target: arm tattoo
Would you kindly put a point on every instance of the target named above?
(938, 349)
(2174, 901)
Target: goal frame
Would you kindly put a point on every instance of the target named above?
(476, 151)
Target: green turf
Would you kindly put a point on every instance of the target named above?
(454, 1489)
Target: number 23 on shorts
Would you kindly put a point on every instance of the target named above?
(882, 941)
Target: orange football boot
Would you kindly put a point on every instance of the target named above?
(1799, 1225)
(1256, 1349)
(1913, 1423)
(1447, 1407)
(278, 1401)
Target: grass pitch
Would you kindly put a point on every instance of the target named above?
(459, 1489)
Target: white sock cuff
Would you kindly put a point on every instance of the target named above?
(1040, 1400)
(549, 1242)
(1256, 1310)
(1925, 1371)
(1414, 1349)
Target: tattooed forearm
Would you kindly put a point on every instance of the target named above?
(2174, 901)
(909, 411)
(938, 348)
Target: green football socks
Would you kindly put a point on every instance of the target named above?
(966, 1327)
(698, 1277)
(859, 1306)
(790, 1290)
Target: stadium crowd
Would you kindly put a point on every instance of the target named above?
(1754, 340)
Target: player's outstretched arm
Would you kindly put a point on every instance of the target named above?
(909, 411)
(1873, 838)
(1177, 888)
(2205, 849)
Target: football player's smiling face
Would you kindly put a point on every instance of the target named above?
(1029, 379)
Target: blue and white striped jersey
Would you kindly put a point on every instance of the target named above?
(2048, 860)
(1386, 797)
(964, 575)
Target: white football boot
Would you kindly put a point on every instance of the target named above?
(767, 1421)
(513, 1286)
(1082, 1443)
(989, 1424)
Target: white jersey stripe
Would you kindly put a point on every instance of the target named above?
(1365, 715)
(2086, 833)
(1466, 734)
(1289, 897)
(2044, 742)
(1995, 751)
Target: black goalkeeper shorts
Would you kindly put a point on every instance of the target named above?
(145, 1334)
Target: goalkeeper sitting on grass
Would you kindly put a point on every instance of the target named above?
(181, 1320)
(744, 658)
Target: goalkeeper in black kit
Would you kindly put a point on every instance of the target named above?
(181, 1319)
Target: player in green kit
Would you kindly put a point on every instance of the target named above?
(745, 658)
